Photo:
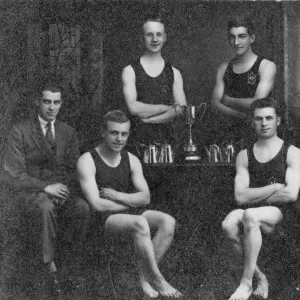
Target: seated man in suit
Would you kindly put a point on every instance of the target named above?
(41, 159)
(106, 175)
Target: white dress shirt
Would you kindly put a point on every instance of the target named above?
(44, 126)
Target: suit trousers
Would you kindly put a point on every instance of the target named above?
(48, 221)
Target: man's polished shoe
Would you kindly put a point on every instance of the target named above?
(55, 285)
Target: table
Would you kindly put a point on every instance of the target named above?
(199, 195)
(211, 177)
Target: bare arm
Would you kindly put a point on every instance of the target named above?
(243, 193)
(267, 72)
(218, 94)
(137, 108)
(86, 172)
(289, 193)
(140, 197)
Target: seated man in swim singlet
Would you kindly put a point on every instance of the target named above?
(266, 186)
(153, 89)
(106, 175)
(240, 81)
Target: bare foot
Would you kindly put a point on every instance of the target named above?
(148, 290)
(262, 289)
(243, 292)
(165, 289)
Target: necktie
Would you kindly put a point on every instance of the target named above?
(49, 134)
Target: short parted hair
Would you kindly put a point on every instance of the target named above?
(117, 116)
(242, 21)
(52, 87)
(265, 102)
(154, 17)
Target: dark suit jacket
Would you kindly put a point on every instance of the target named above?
(31, 161)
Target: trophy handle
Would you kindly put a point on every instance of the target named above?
(204, 110)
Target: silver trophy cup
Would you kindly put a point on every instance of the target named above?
(191, 112)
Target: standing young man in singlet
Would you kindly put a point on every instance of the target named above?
(106, 175)
(240, 81)
(266, 184)
(152, 88)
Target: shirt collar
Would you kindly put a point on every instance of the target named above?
(44, 123)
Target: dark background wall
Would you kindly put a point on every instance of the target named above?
(86, 44)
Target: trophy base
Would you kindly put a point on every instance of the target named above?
(190, 152)
(192, 157)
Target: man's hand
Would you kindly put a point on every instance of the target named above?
(58, 190)
(107, 193)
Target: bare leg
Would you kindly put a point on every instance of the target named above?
(231, 228)
(139, 228)
(164, 225)
(262, 289)
(253, 220)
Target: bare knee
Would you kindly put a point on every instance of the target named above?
(140, 226)
(249, 219)
(167, 225)
(231, 223)
(229, 227)
(226, 226)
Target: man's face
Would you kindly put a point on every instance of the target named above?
(240, 40)
(116, 135)
(265, 122)
(49, 105)
(154, 36)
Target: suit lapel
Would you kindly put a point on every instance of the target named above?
(59, 138)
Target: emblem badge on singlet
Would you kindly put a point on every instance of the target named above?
(251, 78)
(272, 180)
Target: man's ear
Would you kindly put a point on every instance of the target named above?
(37, 101)
(252, 36)
(165, 37)
(278, 121)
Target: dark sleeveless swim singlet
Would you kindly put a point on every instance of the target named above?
(153, 90)
(117, 178)
(242, 85)
(273, 171)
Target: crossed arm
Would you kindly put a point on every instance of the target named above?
(269, 194)
(152, 113)
(238, 107)
(107, 199)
